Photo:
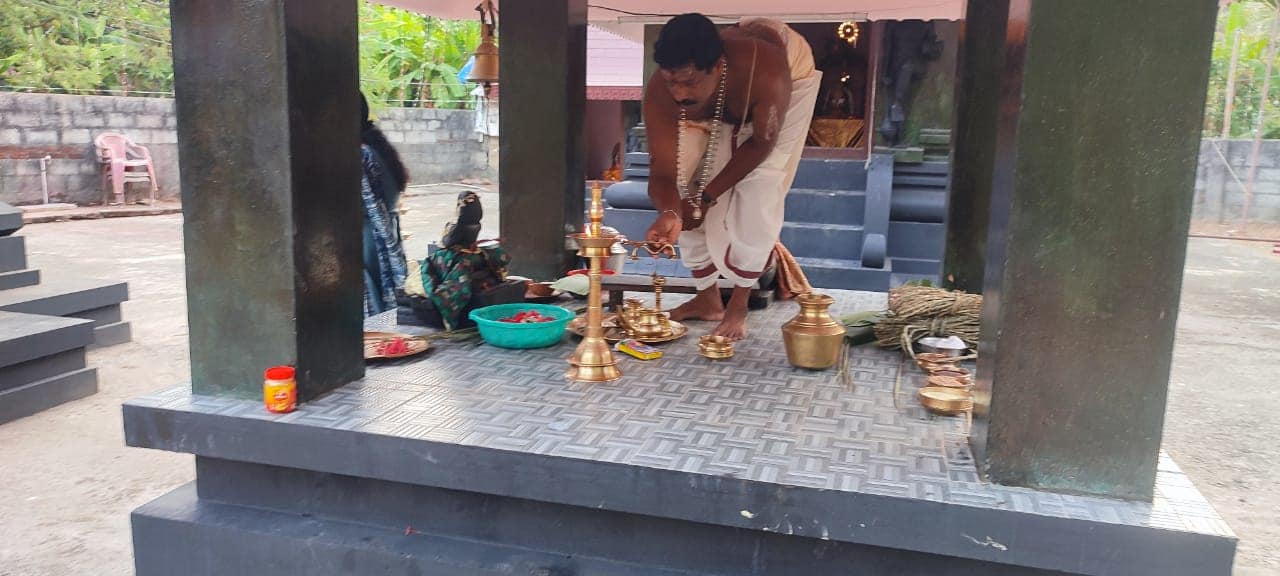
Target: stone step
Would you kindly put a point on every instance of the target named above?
(26, 337)
(922, 240)
(896, 280)
(822, 240)
(922, 266)
(826, 206)
(42, 368)
(844, 274)
(44, 394)
(13, 253)
(103, 316)
(64, 297)
(830, 174)
(111, 334)
(10, 219)
(921, 180)
(918, 204)
(19, 279)
(94, 300)
(180, 533)
(934, 167)
(935, 139)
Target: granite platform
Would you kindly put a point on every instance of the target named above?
(799, 471)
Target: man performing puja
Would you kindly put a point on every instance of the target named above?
(727, 115)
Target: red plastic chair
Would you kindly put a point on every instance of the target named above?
(124, 161)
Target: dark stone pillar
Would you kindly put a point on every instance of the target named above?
(977, 100)
(268, 139)
(651, 32)
(542, 162)
(1097, 139)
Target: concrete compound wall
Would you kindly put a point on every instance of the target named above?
(436, 145)
(1220, 198)
(64, 126)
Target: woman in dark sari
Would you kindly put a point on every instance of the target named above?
(383, 180)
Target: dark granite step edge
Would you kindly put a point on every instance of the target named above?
(180, 533)
(54, 335)
(42, 368)
(113, 334)
(81, 296)
(993, 535)
(40, 396)
(19, 279)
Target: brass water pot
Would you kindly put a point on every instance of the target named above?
(813, 339)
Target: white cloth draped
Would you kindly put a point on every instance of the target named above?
(738, 233)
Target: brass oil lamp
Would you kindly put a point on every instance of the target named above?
(593, 360)
(635, 319)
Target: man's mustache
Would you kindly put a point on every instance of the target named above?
(686, 102)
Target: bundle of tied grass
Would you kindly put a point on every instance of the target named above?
(916, 312)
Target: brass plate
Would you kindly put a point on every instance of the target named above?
(678, 331)
(376, 343)
(578, 326)
(948, 401)
(613, 333)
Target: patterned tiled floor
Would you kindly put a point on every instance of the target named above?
(753, 417)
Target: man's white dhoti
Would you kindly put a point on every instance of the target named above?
(738, 233)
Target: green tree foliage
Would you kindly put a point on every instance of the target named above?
(86, 45)
(1251, 21)
(407, 59)
(123, 46)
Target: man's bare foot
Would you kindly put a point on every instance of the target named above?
(705, 306)
(734, 324)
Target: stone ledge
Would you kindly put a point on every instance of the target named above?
(64, 297)
(39, 396)
(974, 532)
(179, 533)
(26, 337)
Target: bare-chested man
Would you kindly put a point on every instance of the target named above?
(720, 187)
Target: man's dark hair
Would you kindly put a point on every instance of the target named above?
(688, 39)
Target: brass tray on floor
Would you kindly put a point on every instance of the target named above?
(613, 333)
(578, 326)
(678, 331)
(393, 345)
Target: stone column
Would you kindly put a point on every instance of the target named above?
(1097, 137)
(268, 140)
(651, 32)
(542, 161)
(977, 99)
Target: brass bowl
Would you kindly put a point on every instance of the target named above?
(947, 401)
(954, 372)
(949, 381)
(715, 347)
(936, 358)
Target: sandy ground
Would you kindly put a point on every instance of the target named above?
(68, 483)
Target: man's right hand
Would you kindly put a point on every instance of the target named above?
(665, 230)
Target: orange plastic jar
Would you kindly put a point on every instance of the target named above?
(279, 390)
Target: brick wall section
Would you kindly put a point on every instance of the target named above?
(437, 145)
(1218, 196)
(63, 125)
